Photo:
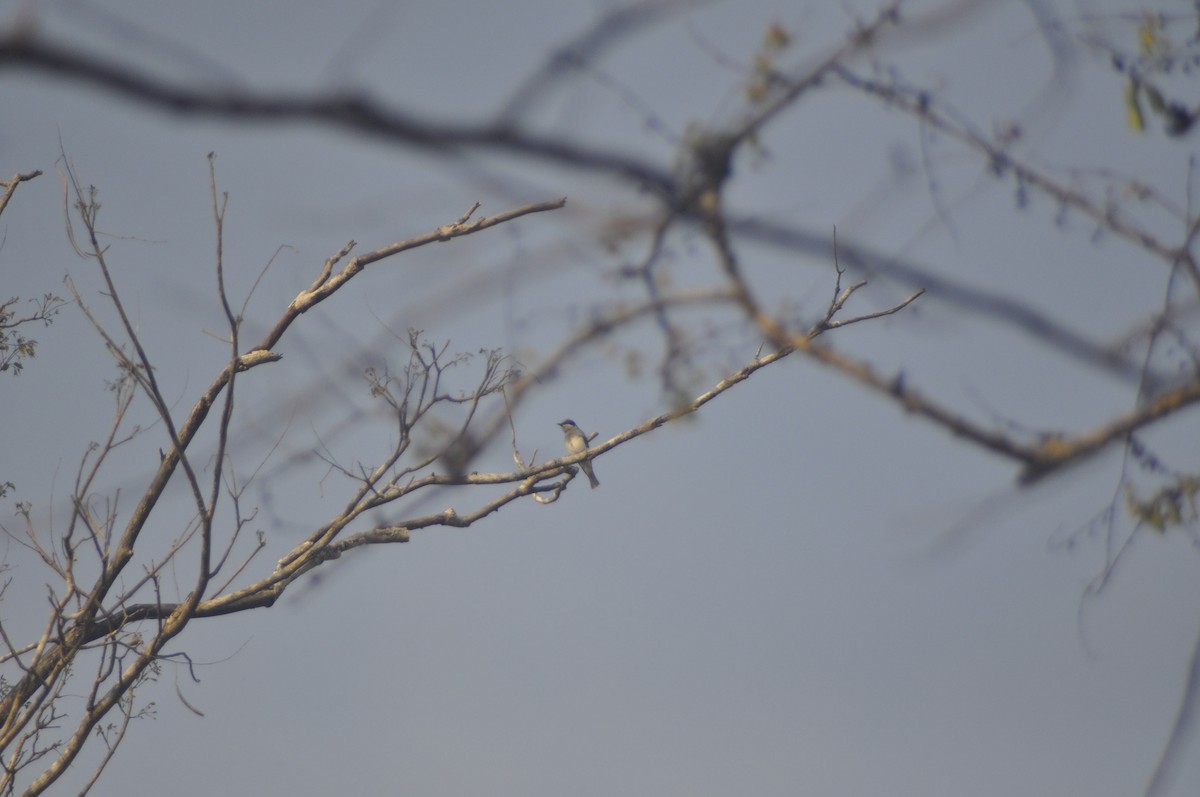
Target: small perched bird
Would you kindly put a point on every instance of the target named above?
(576, 441)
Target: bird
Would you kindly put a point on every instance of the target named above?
(576, 442)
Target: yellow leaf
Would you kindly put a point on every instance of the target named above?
(1133, 109)
(1149, 40)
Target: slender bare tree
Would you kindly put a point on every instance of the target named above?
(110, 616)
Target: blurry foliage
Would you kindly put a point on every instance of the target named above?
(765, 74)
(1159, 58)
(1173, 505)
(14, 346)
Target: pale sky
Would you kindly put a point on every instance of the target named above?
(802, 590)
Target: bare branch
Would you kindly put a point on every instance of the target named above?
(346, 111)
(10, 185)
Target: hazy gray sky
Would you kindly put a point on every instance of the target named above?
(801, 591)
